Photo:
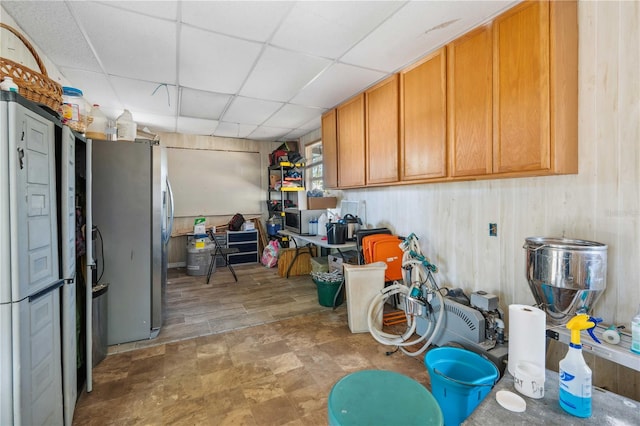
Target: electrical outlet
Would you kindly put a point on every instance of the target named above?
(493, 229)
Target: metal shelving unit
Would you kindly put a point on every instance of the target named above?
(290, 177)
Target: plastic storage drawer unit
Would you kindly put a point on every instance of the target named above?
(247, 244)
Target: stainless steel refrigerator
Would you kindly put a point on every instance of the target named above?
(131, 205)
(30, 277)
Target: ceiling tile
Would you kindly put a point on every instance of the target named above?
(414, 31)
(214, 62)
(95, 87)
(227, 130)
(280, 74)
(335, 85)
(196, 126)
(292, 116)
(128, 44)
(249, 20)
(201, 104)
(250, 111)
(73, 52)
(295, 134)
(313, 124)
(159, 9)
(244, 130)
(268, 133)
(147, 96)
(330, 28)
(234, 130)
(155, 122)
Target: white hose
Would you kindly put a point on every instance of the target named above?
(419, 275)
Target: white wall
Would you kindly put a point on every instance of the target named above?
(601, 203)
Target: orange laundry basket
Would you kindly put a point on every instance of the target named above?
(384, 248)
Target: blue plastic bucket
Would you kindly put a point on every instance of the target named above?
(273, 228)
(460, 380)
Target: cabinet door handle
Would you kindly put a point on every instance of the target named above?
(21, 158)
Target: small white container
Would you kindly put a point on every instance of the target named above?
(9, 85)
(97, 128)
(529, 379)
(126, 126)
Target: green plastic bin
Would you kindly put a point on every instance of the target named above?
(327, 292)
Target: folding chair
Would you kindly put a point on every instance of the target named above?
(223, 252)
(364, 249)
(360, 234)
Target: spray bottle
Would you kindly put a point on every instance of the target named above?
(575, 374)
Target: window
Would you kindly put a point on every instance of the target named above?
(313, 170)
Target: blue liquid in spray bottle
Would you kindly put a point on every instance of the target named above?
(575, 374)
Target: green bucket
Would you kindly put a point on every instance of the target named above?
(327, 292)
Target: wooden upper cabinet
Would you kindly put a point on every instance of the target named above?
(563, 73)
(423, 119)
(469, 103)
(522, 89)
(500, 101)
(382, 132)
(351, 143)
(330, 150)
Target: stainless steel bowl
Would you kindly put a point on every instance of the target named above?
(566, 276)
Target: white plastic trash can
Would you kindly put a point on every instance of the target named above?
(363, 282)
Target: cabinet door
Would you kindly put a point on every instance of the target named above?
(382, 113)
(521, 89)
(423, 119)
(351, 145)
(469, 104)
(330, 150)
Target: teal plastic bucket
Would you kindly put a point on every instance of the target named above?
(380, 397)
(460, 380)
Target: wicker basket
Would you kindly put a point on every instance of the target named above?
(35, 86)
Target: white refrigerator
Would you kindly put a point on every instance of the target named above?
(30, 279)
(66, 162)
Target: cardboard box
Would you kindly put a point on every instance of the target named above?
(335, 260)
(317, 203)
(319, 264)
(273, 180)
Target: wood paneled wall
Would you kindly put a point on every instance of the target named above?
(601, 202)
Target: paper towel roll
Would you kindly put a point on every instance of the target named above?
(527, 336)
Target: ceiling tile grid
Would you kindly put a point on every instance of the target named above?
(264, 70)
(129, 44)
(214, 62)
(279, 74)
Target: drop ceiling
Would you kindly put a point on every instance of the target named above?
(263, 70)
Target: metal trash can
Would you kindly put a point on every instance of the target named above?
(198, 259)
(99, 323)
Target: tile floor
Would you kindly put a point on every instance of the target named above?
(258, 352)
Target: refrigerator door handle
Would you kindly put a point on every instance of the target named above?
(171, 211)
(54, 286)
